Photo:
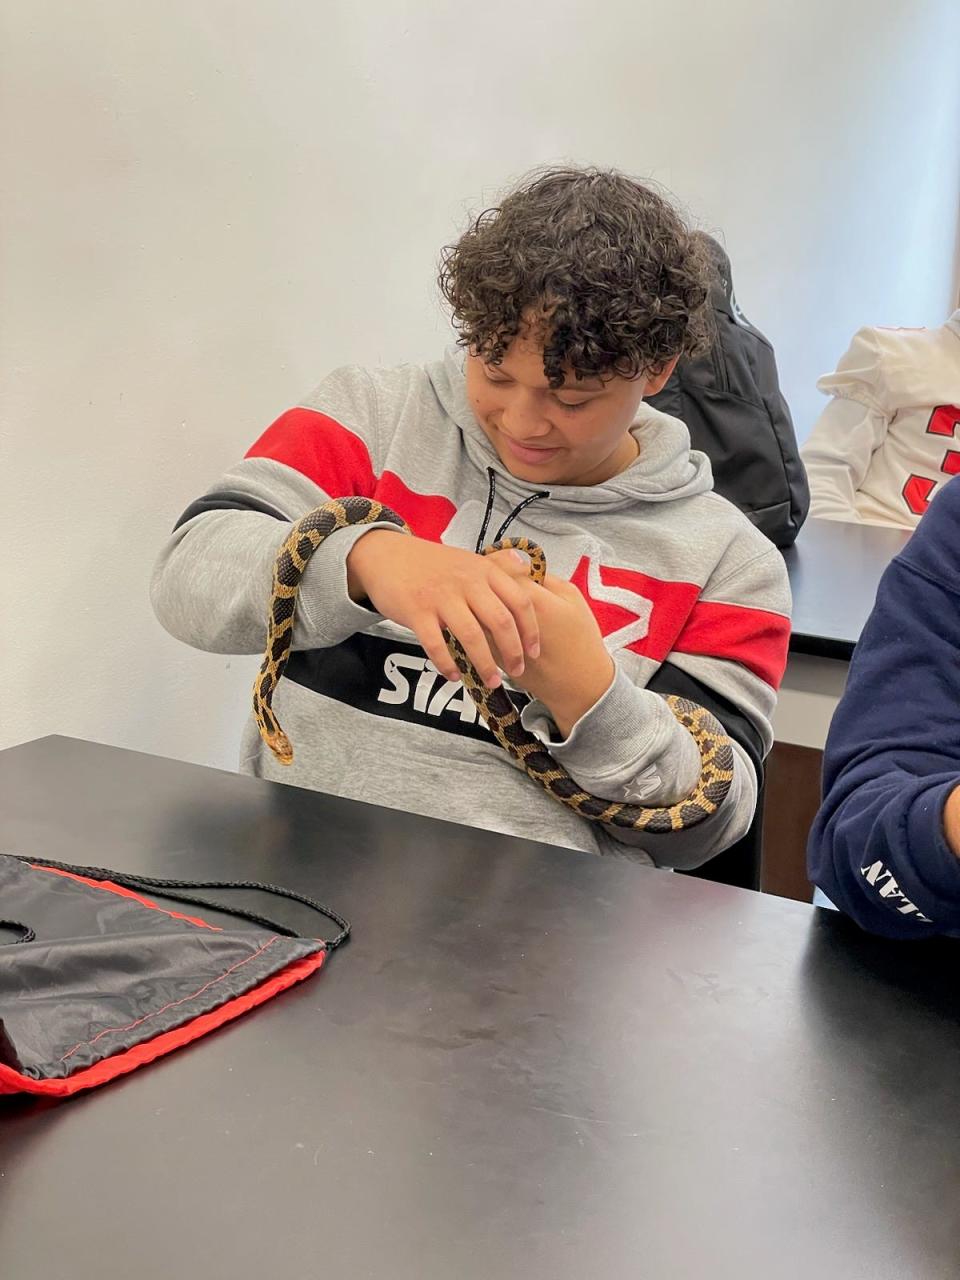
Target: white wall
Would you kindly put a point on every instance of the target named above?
(207, 206)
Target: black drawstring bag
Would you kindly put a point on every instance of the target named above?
(98, 980)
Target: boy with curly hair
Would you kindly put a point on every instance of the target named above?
(573, 300)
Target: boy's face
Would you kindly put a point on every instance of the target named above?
(576, 435)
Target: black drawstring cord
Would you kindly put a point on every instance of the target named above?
(166, 888)
(491, 498)
(534, 497)
(491, 495)
(26, 933)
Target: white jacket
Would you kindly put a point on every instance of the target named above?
(890, 436)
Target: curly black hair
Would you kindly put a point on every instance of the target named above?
(601, 266)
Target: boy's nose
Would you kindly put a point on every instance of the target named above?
(524, 422)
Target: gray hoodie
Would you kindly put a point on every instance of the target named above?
(690, 598)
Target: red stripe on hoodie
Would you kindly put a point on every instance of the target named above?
(330, 455)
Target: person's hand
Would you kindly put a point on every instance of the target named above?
(951, 820)
(425, 586)
(574, 669)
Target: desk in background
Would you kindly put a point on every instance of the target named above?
(526, 1062)
(835, 568)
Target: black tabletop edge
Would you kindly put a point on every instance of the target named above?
(821, 646)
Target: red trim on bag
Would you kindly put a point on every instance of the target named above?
(101, 1072)
(118, 889)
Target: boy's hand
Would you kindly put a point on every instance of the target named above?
(951, 820)
(426, 586)
(575, 669)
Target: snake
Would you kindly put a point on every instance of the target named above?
(495, 706)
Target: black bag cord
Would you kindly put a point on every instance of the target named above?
(26, 933)
(162, 887)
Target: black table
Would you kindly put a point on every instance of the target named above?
(835, 568)
(526, 1062)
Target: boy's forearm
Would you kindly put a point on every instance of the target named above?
(626, 746)
(212, 583)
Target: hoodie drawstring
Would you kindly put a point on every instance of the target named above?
(491, 498)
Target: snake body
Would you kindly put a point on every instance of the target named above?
(494, 705)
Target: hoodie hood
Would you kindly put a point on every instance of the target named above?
(665, 470)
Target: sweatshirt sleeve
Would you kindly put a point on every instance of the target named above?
(729, 658)
(211, 585)
(849, 431)
(877, 847)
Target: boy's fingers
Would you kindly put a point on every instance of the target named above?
(460, 620)
(498, 622)
(520, 603)
(435, 647)
(510, 562)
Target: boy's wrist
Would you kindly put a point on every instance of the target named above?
(568, 703)
(359, 560)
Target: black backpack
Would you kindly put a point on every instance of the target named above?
(731, 402)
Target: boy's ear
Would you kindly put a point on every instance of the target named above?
(657, 381)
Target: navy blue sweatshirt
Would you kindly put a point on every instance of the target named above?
(877, 847)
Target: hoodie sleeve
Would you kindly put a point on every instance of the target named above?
(212, 582)
(877, 847)
(849, 431)
(729, 657)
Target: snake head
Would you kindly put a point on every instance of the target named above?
(280, 745)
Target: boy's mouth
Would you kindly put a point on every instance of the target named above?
(533, 455)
